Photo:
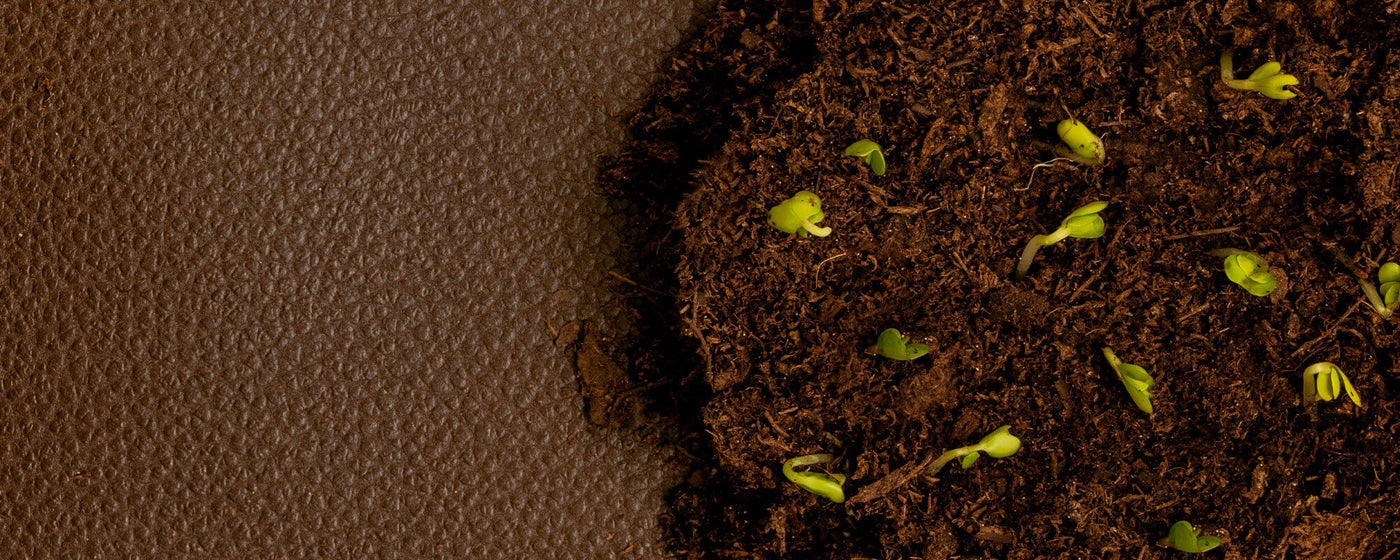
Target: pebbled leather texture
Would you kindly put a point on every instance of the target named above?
(278, 278)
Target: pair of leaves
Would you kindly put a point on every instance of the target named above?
(869, 150)
(1083, 223)
(895, 346)
(1250, 271)
(999, 443)
(1328, 382)
(1268, 79)
(799, 215)
(1134, 378)
(1390, 284)
(1186, 538)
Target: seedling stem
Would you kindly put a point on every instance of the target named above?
(825, 485)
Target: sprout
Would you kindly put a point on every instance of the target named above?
(1134, 378)
(1388, 298)
(1186, 538)
(1266, 79)
(1000, 443)
(1080, 145)
(871, 152)
(1323, 381)
(799, 215)
(1083, 223)
(895, 346)
(825, 485)
(1248, 270)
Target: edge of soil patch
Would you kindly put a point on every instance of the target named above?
(753, 342)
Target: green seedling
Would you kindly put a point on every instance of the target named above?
(1134, 378)
(1248, 270)
(1186, 538)
(1083, 223)
(1388, 298)
(896, 346)
(1080, 145)
(799, 215)
(1267, 79)
(872, 154)
(1000, 443)
(825, 485)
(1389, 276)
(1323, 381)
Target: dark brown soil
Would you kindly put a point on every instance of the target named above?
(961, 96)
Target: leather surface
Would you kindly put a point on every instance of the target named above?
(279, 277)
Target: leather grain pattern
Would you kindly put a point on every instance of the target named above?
(278, 277)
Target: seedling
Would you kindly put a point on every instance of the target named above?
(896, 346)
(1186, 538)
(1388, 298)
(1267, 79)
(825, 485)
(1323, 381)
(799, 215)
(1083, 223)
(1134, 378)
(1248, 270)
(1000, 443)
(872, 154)
(1080, 145)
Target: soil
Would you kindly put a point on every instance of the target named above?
(756, 345)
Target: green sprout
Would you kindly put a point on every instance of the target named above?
(1080, 145)
(1134, 378)
(799, 215)
(1083, 223)
(871, 152)
(896, 346)
(1186, 538)
(1323, 381)
(1000, 443)
(825, 485)
(1388, 298)
(1266, 79)
(1248, 270)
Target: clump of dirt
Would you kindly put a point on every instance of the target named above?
(964, 97)
(1332, 537)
